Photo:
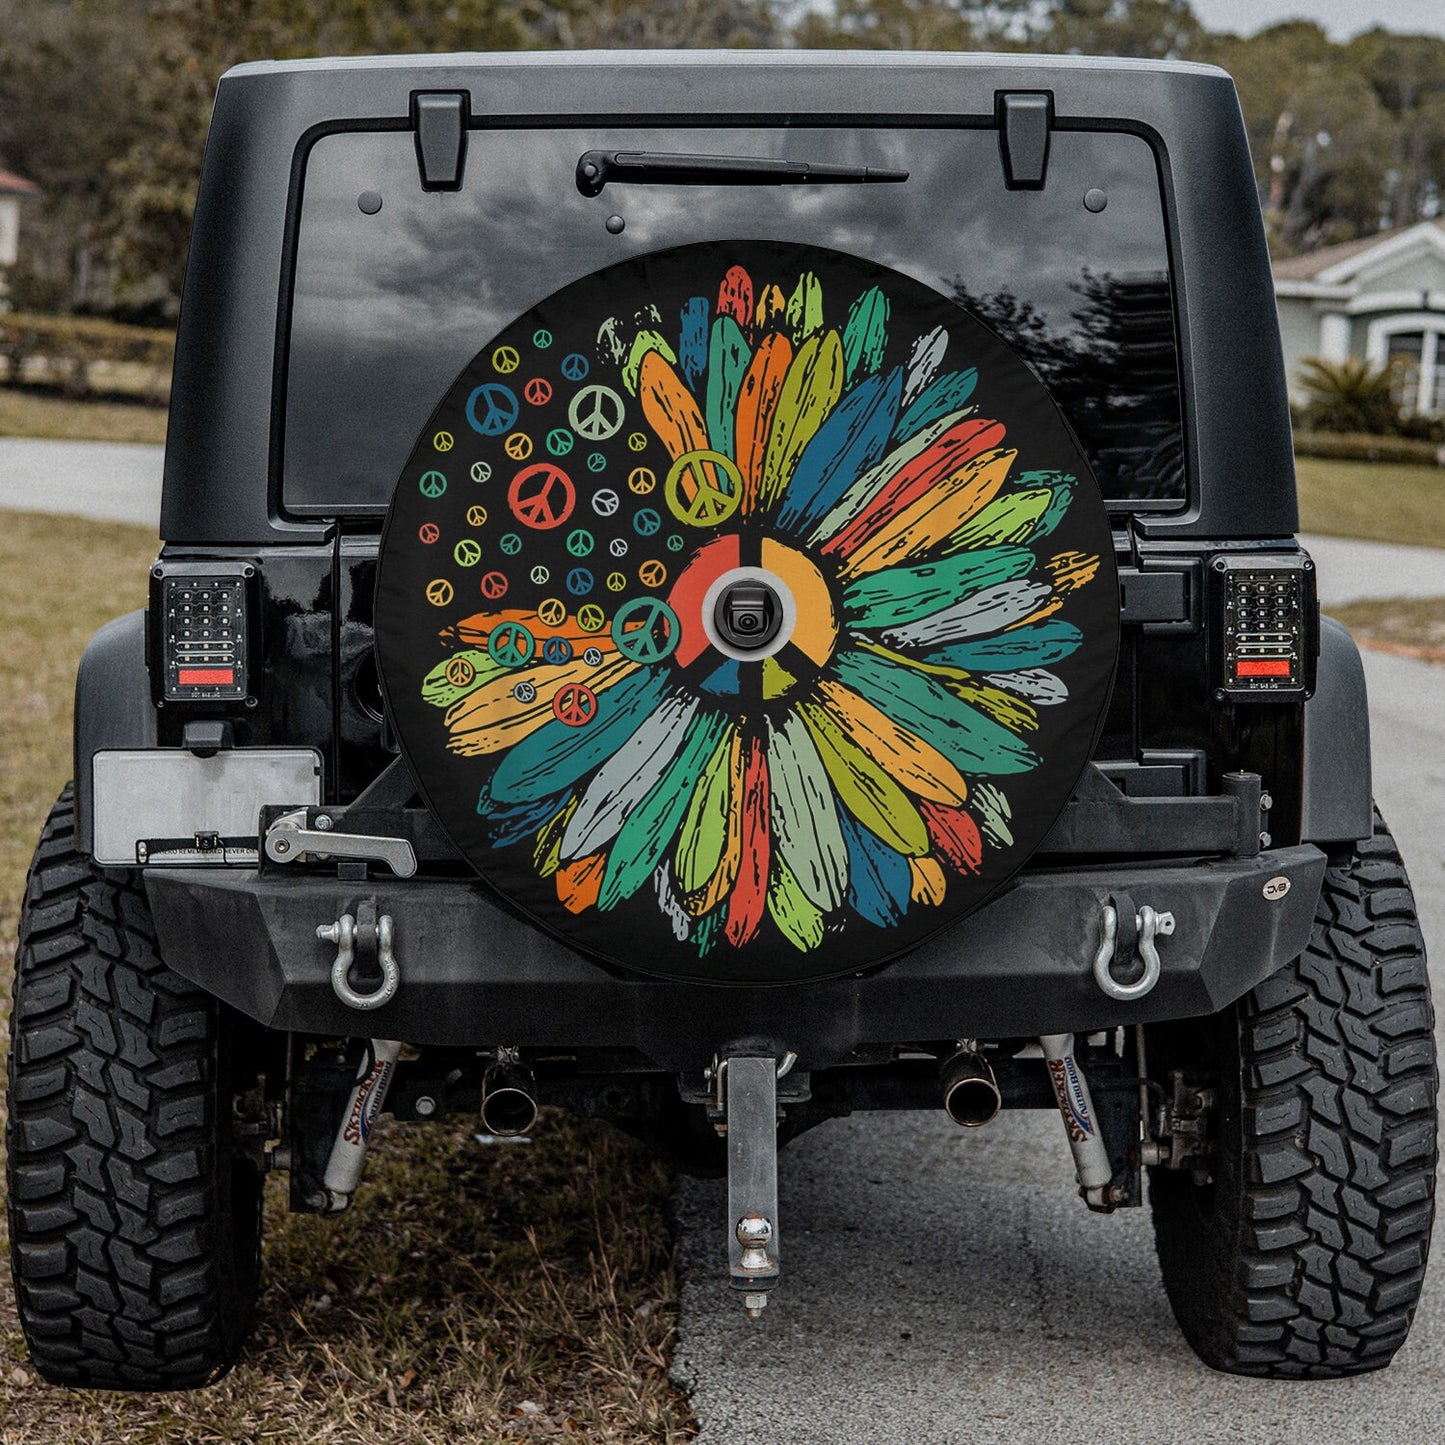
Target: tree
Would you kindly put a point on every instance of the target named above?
(1350, 396)
(65, 115)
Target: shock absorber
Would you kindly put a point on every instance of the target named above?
(1081, 1124)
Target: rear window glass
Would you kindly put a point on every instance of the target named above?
(388, 307)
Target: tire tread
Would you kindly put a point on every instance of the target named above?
(117, 1197)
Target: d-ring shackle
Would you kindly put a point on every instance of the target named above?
(1150, 925)
(343, 934)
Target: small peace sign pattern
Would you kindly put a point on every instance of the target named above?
(622, 449)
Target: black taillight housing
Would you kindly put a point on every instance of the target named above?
(200, 632)
(1264, 631)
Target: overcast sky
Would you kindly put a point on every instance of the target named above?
(1342, 18)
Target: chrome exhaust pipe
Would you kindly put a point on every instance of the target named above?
(971, 1094)
(509, 1100)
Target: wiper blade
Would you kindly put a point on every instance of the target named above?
(599, 169)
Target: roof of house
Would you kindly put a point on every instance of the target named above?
(13, 185)
(1312, 265)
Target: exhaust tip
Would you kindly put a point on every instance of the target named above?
(971, 1094)
(508, 1105)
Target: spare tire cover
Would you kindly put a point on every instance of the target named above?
(903, 505)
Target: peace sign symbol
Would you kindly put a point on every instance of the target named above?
(574, 704)
(541, 338)
(579, 582)
(652, 574)
(591, 618)
(592, 656)
(505, 360)
(476, 516)
(703, 488)
(616, 581)
(511, 543)
(559, 441)
(556, 650)
(637, 441)
(538, 391)
(574, 366)
(551, 611)
(525, 692)
(580, 542)
(467, 553)
(481, 471)
(429, 532)
(618, 546)
(432, 484)
(494, 585)
(596, 413)
(646, 629)
(460, 672)
(439, 593)
(596, 462)
(444, 441)
(647, 523)
(518, 446)
(510, 644)
(605, 502)
(641, 480)
(542, 496)
(492, 408)
(540, 575)
(674, 543)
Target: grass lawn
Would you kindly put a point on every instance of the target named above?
(516, 1293)
(34, 414)
(1410, 626)
(1379, 501)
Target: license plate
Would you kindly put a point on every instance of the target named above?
(166, 805)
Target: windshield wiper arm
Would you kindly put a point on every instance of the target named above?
(598, 169)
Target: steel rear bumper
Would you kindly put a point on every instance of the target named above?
(474, 974)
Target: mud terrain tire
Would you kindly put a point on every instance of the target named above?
(135, 1230)
(1304, 1255)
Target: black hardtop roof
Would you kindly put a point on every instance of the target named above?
(222, 474)
(705, 59)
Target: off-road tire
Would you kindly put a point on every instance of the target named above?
(134, 1228)
(1304, 1255)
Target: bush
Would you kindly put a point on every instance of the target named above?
(1350, 396)
(62, 351)
(1358, 447)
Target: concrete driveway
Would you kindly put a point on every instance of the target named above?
(945, 1287)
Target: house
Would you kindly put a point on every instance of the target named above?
(13, 190)
(1378, 299)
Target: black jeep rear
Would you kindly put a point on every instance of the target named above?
(717, 591)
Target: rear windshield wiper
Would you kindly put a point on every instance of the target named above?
(598, 169)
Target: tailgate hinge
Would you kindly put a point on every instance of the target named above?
(1025, 119)
(439, 118)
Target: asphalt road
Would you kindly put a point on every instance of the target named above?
(110, 481)
(121, 482)
(947, 1286)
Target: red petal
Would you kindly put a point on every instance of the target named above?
(735, 296)
(750, 894)
(954, 835)
(959, 444)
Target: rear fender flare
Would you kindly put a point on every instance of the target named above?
(1337, 806)
(113, 708)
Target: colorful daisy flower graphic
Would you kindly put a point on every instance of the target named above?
(821, 466)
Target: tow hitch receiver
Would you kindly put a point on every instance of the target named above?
(749, 1087)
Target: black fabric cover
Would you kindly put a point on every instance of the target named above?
(746, 410)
